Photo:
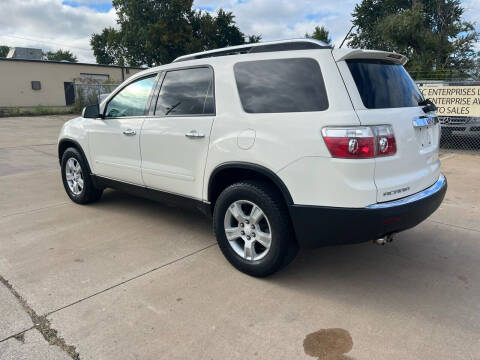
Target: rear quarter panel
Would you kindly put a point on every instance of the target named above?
(289, 144)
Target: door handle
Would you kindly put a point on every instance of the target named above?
(194, 134)
(129, 132)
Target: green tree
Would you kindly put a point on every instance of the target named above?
(154, 32)
(107, 47)
(252, 39)
(215, 32)
(431, 33)
(60, 55)
(228, 33)
(204, 31)
(4, 51)
(320, 33)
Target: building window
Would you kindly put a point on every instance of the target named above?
(36, 85)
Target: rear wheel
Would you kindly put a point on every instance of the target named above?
(76, 178)
(253, 228)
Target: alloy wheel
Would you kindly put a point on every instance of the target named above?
(74, 176)
(248, 230)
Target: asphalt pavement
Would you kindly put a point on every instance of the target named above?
(128, 278)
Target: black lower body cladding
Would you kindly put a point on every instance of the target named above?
(317, 226)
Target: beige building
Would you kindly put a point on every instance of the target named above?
(30, 83)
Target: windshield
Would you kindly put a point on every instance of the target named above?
(382, 84)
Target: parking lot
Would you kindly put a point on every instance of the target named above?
(127, 278)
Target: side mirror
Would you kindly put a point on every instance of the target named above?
(92, 112)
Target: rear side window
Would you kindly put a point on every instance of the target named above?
(187, 92)
(281, 86)
(382, 84)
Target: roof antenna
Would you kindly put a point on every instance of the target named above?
(346, 36)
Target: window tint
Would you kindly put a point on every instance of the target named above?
(131, 100)
(382, 84)
(187, 92)
(283, 85)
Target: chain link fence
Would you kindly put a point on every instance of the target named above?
(458, 103)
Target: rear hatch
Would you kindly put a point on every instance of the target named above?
(383, 93)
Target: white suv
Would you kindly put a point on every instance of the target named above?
(286, 144)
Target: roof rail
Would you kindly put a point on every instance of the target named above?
(270, 46)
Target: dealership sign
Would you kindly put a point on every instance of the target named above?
(454, 100)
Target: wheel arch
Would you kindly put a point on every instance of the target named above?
(66, 143)
(228, 173)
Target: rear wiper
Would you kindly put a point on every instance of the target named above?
(428, 105)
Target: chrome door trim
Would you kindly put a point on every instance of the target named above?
(194, 134)
(129, 132)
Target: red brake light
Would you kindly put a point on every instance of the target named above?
(351, 148)
(360, 142)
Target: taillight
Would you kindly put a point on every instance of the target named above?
(385, 140)
(350, 143)
(360, 142)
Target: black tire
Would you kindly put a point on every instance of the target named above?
(89, 192)
(283, 247)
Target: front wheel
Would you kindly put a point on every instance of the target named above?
(253, 228)
(76, 178)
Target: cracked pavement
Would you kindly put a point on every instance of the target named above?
(128, 278)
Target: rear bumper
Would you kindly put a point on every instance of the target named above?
(317, 226)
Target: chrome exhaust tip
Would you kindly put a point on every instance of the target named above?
(384, 240)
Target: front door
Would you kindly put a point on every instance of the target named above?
(174, 143)
(115, 140)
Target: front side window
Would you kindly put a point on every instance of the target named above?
(187, 92)
(382, 84)
(281, 86)
(131, 100)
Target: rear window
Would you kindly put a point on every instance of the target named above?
(281, 86)
(382, 84)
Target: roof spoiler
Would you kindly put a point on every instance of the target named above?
(345, 54)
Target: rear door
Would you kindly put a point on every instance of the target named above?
(174, 142)
(383, 93)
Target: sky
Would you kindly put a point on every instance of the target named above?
(68, 24)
